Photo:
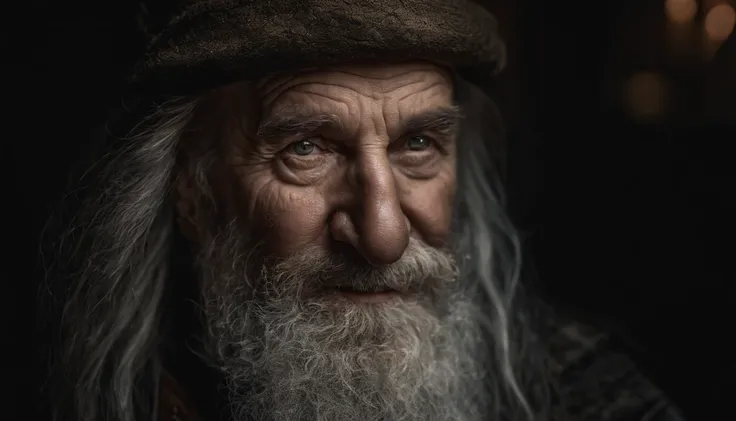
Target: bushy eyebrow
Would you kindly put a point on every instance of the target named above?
(295, 123)
(292, 123)
(443, 120)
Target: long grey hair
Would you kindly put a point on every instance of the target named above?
(109, 279)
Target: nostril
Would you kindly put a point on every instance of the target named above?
(343, 229)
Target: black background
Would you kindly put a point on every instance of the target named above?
(629, 222)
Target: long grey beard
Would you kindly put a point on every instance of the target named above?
(290, 350)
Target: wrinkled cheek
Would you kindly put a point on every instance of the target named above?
(287, 219)
(234, 184)
(430, 209)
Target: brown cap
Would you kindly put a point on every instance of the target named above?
(208, 43)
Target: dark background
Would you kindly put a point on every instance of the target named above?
(621, 127)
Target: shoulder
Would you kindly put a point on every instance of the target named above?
(594, 380)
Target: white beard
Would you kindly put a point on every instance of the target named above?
(291, 355)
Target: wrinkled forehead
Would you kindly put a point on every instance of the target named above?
(382, 75)
(395, 82)
(406, 89)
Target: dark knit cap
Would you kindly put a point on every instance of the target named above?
(200, 44)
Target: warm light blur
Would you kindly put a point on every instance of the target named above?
(646, 95)
(681, 11)
(719, 22)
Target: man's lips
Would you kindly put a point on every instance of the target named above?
(365, 296)
(369, 297)
(369, 288)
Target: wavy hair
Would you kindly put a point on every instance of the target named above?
(108, 282)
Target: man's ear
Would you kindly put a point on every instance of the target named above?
(188, 215)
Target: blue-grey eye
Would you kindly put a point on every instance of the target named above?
(303, 147)
(418, 143)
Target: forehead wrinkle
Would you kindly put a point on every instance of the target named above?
(347, 95)
(387, 75)
(431, 89)
(374, 71)
(307, 92)
(307, 106)
(391, 70)
(299, 90)
(426, 104)
(374, 91)
(264, 89)
(318, 76)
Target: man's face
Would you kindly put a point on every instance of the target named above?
(332, 293)
(359, 157)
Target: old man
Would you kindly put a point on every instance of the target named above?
(303, 221)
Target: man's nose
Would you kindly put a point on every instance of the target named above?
(375, 224)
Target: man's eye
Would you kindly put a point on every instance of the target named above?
(303, 147)
(418, 143)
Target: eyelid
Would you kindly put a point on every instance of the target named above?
(288, 139)
(317, 141)
(317, 144)
(438, 141)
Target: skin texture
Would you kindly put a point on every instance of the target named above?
(362, 181)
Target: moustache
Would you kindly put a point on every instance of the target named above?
(421, 268)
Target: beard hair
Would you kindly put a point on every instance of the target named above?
(289, 348)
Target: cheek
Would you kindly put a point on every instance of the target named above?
(428, 204)
(287, 218)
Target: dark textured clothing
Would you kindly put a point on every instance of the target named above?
(593, 381)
